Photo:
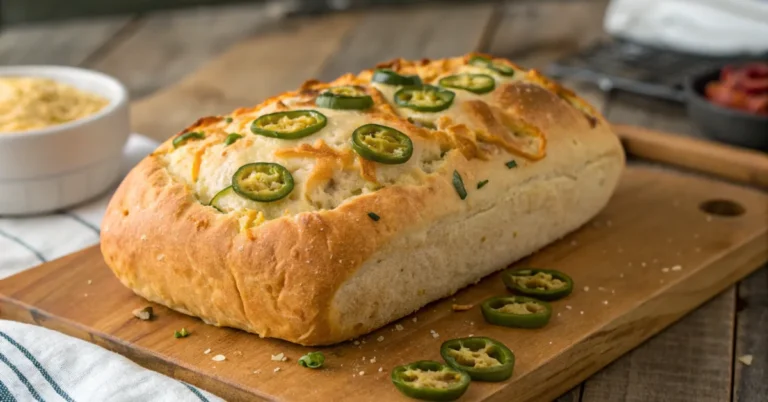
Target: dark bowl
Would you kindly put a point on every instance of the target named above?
(724, 124)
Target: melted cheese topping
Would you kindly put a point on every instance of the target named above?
(431, 379)
(541, 280)
(474, 358)
(325, 168)
(522, 308)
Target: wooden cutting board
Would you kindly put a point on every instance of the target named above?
(651, 256)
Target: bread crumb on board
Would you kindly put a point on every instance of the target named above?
(205, 352)
(144, 314)
(746, 360)
(276, 369)
(380, 338)
(434, 334)
(280, 357)
(462, 307)
(399, 327)
(219, 358)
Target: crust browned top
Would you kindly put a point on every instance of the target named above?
(275, 271)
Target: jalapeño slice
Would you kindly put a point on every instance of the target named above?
(544, 284)
(345, 97)
(476, 83)
(218, 200)
(262, 181)
(389, 77)
(182, 139)
(485, 62)
(484, 359)
(424, 98)
(289, 125)
(382, 144)
(430, 381)
(516, 311)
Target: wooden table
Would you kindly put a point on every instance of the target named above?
(696, 359)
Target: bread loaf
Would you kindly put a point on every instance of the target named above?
(473, 164)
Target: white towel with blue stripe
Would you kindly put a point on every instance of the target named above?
(37, 364)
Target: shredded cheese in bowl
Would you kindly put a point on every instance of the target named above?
(29, 103)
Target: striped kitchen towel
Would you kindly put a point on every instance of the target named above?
(29, 241)
(37, 364)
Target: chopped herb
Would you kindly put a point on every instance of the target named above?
(312, 360)
(231, 138)
(181, 334)
(459, 185)
(228, 120)
(481, 184)
(511, 164)
(374, 216)
(145, 313)
(182, 139)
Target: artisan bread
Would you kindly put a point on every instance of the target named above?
(357, 243)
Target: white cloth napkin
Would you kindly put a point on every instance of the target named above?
(713, 27)
(37, 364)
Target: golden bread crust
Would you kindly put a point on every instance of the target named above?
(298, 274)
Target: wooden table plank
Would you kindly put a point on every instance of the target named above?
(169, 45)
(64, 43)
(751, 381)
(422, 32)
(574, 395)
(690, 361)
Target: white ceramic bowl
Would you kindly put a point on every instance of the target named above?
(59, 166)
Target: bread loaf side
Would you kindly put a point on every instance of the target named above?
(357, 243)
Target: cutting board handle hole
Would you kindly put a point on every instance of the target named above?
(722, 208)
